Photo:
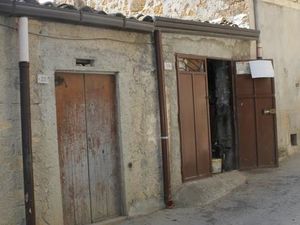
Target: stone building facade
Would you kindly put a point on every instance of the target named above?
(55, 47)
(130, 58)
(277, 21)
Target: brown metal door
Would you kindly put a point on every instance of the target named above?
(256, 121)
(266, 122)
(194, 124)
(86, 124)
(245, 105)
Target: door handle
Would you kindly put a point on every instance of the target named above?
(269, 111)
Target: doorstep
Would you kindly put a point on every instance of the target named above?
(205, 191)
(114, 221)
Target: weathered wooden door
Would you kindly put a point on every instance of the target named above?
(256, 119)
(87, 139)
(194, 117)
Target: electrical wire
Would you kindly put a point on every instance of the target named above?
(78, 39)
(7, 26)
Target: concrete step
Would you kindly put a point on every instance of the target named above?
(207, 190)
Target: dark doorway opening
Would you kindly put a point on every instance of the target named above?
(221, 114)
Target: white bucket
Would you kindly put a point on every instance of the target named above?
(216, 165)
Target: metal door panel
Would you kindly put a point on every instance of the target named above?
(244, 85)
(264, 86)
(187, 126)
(261, 136)
(194, 117)
(245, 106)
(265, 133)
(202, 124)
(247, 133)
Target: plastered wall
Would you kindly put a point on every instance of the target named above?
(55, 47)
(279, 25)
(128, 56)
(11, 174)
(196, 45)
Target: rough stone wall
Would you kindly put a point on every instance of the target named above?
(204, 10)
(11, 175)
(196, 45)
(279, 25)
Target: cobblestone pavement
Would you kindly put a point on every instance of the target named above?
(270, 197)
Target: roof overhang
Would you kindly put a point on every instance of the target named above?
(206, 29)
(78, 17)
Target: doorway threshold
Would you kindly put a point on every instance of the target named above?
(205, 191)
(114, 221)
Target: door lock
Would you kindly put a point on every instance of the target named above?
(269, 111)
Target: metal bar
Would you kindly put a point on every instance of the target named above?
(105, 20)
(256, 122)
(199, 26)
(235, 115)
(177, 25)
(26, 143)
(163, 120)
(132, 24)
(162, 20)
(210, 33)
(6, 6)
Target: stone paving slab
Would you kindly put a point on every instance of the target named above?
(207, 190)
(269, 197)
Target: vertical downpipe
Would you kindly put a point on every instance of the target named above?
(259, 47)
(26, 120)
(163, 120)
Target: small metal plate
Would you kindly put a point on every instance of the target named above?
(42, 79)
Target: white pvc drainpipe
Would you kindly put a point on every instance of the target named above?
(23, 39)
(26, 121)
(259, 46)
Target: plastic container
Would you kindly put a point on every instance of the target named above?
(216, 165)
